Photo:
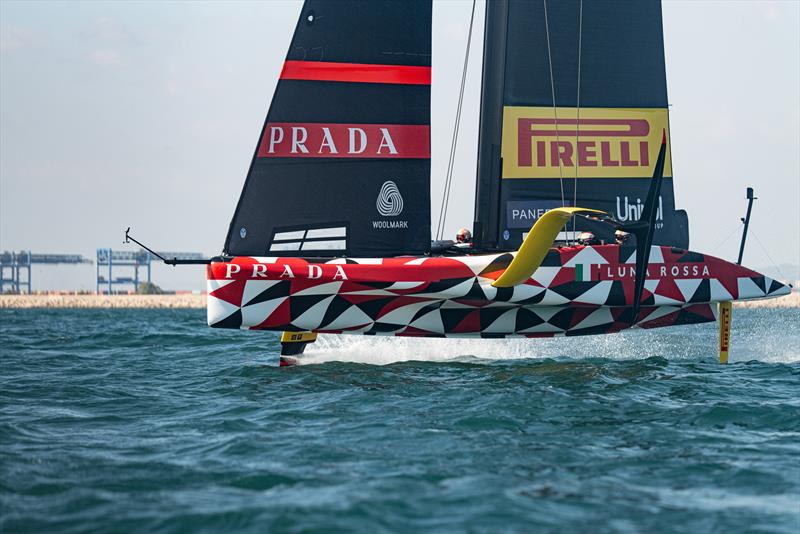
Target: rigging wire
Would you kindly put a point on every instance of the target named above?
(760, 244)
(738, 228)
(451, 162)
(555, 112)
(578, 117)
(764, 249)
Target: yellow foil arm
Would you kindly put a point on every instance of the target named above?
(533, 250)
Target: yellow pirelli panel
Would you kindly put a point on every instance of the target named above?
(602, 143)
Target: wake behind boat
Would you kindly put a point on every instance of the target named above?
(332, 232)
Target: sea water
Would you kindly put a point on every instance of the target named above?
(148, 421)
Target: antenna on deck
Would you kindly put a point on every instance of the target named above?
(746, 221)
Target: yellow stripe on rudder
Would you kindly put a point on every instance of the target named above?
(298, 337)
(725, 312)
(533, 250)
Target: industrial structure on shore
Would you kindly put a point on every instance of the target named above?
(15, 268)
(108, 259)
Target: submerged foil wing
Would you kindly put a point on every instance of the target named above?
(342, 165)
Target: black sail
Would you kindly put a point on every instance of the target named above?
(539, 127)
(342, 165)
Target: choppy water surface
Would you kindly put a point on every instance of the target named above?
(146, 420)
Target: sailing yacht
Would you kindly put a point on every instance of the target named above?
(332, 232)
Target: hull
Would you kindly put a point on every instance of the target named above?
(577, 291)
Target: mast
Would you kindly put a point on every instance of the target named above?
(487, 187)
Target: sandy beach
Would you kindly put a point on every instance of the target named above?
(199, 301)
(103, 301)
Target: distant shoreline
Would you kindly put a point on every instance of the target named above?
(199, 301)
(103, 301)
(791, 300)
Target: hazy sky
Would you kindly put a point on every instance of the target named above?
(145, 114)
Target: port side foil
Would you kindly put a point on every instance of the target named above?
(576, 291)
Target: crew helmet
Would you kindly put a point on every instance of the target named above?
(587, 238)
(463, 236)
(621, 237)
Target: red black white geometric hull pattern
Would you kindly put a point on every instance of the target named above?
(577, 291)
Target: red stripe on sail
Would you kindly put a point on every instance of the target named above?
(324, 71)
(327, 140)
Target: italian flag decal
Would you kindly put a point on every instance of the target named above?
(583, 272)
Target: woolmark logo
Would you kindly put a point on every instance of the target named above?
(390, 201)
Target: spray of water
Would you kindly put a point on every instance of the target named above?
(385, 350)
(756, 336)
